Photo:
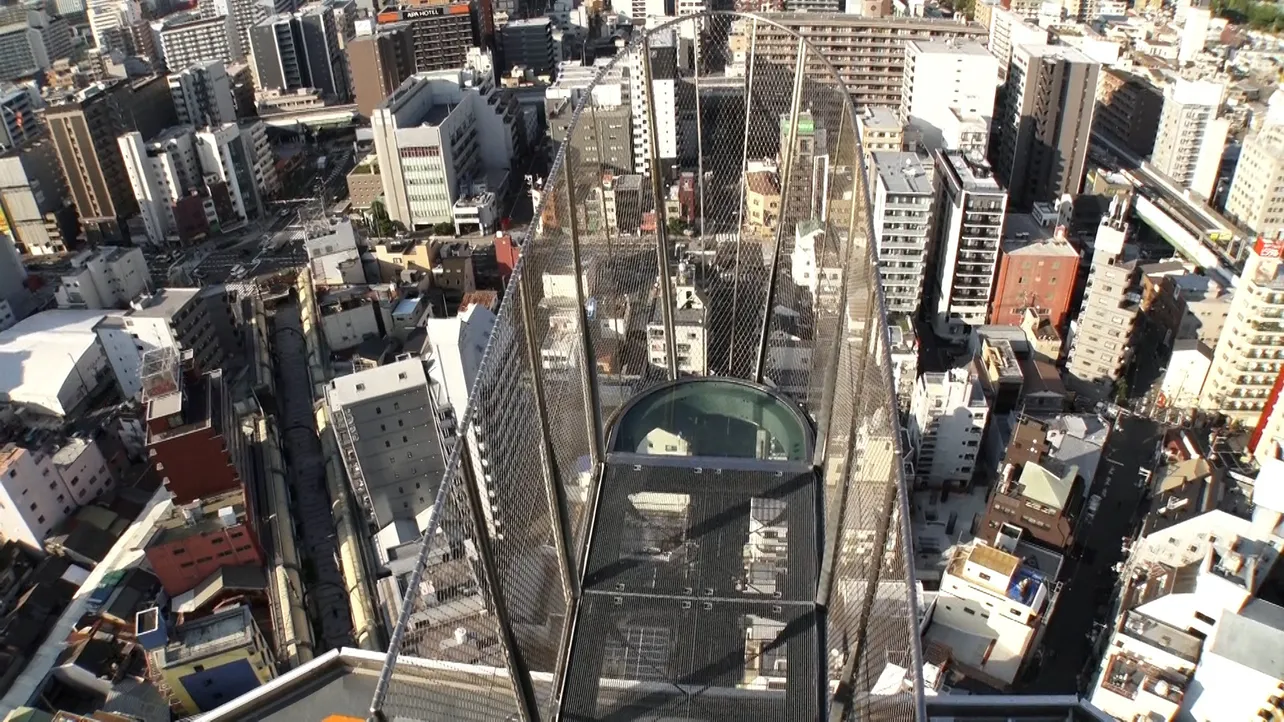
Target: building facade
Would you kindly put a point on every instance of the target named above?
(1128, 108)
(948, 96)
(948, 413)
(203, 94)
(904, 205)
(970, 210)
(198, 538)
(301, 50)
(379, 62)
(1043, 123)
(183, 40)
(41, 487)
(429, 141)
(193, 437)
(1258, 184)
(1192, 136)
(441, 34)
(1037, 271)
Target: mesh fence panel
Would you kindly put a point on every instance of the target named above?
(706, 216)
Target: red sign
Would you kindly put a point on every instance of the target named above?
(1269, 247)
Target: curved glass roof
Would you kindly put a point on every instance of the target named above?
(713, 417)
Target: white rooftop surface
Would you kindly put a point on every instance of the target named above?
(70, 451)
(458, 345)
(1268, 491)
(126, 552)
(165, 302)
(39, 352)
(373, 383)
(1183, 543)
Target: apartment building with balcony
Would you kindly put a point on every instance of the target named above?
(1101, 336)
(1128, 108)
(971, 207)
(867, 52)
(904, 195)
(1249, 355)
(1192, 135)
(948, 95)
(947, 418)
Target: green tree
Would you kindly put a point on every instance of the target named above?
(444, 229)
(380, 224)
(676, 226)
(1121, 392)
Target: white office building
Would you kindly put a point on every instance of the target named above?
(1192, 136)
(947, 94)
(948, 413)
(690, 328)
(102, 278)
(437, 135)
(333, 255)
(110, 16)
(969, 231)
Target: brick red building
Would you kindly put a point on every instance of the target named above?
(198, 539)
(1037, 268)
(193, 438)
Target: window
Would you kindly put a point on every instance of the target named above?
(1205, 618)
(33, 506)
(378, 410)
(75, 480)
(218, 540)
(985, 577)
(1016, 611)
(40, 519)
(969, 610)
(187, 565)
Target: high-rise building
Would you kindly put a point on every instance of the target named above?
(1259, 176)
(18, 120)
(1194, 31)
(245, 14)
(234, 154)
(379, 61)
(160, 173)
(30, 42)
(529, 44)
(1043, 123)
(1101, 337)
(947, 417)
(904, 198)
(203, 94)
(438, 134)
(948, 96)
(1192, 135)
(84, 131)
(185, 39)
(442, 34)
(301, 50)
(1242, 382)
(1128, 108)
(605, 140)
(1008, 30)
(108, 17)
(665, 89)
(969, 229)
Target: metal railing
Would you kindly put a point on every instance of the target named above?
(632, 277)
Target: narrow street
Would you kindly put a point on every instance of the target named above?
(1086, 597)
(324, 593)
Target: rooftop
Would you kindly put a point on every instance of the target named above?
(381, 381)
(200, 517)
(1045, 487)
(972, 173)
(1023, 234)
(879, 117)
(164, 303)
(207, 636)
(947, 46)
(40, 352)
(903, 173)
(1253, 638)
